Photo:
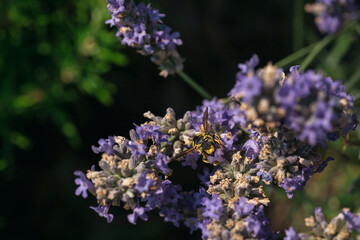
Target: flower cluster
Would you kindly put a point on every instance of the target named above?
(236, 220)
(141, 27)
(313, 106)
(272, 128)
(335, 229)
(134, 174)
(288, 161)
(330, 15)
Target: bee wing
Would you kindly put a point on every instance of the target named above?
(205, 120)
(183, 153)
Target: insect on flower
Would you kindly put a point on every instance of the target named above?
(204, 142)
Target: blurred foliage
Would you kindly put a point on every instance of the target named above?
(51, 53)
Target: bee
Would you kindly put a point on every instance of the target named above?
(204, 142)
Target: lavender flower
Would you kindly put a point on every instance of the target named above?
(291, 234)
(312, 105)
(331, 15)
(320, 106)
(288, 117)
(212, 207)
(321, 229)
(141, 27)
(84, 184)
(220, 221)
(242, 208)
(288, 161)
(137, 212)
(103, 212)
(105, 146)
(255, 90)
(144, 183)
(251, 148)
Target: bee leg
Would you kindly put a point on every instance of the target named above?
(182, 154)
(221, 148)
(205, 160)
(218, 141)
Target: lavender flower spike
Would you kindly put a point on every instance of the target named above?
(334, 229)
(140, 26)
(330, 16)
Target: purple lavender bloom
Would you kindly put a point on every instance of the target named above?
(205, 233)
(329, 24)
(254, 133)
(161, 161)
(249, 65)
(319, 216)
(352, 221)
(351, 126)
(291, 234)
(84, 184)
(205, 177)
(334, 229)
(312, 134)
(144, 184)
(191, 160)
(242, 208)
(217, 158)
(237, 116)
(316, 106)
(137, 149)
(191, 223)
(103, 212)
(323, 165)
(155, 198)
(141, 27)
(330, 15)
(171, 215)
(251, 148)
(106, 146)
(137, 212)
(212, 207)
(323, 116)
(148, 131)
(290, 185)
(254, 226)
(265, 176)
(333, 136)
(117, 6)
(265, 232)
(165, 194)
(247, 87)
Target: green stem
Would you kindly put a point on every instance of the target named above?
(296, 55)
(353, 79)
(194, 85)
(298, 25)
(316, 50)
(357, 28)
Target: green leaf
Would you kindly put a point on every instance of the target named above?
(20, 140)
